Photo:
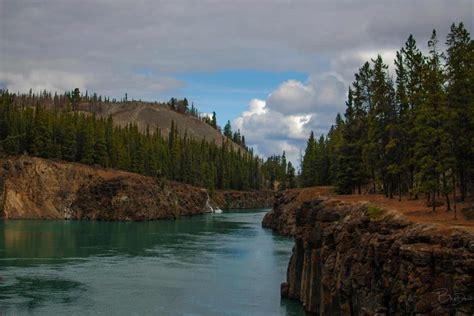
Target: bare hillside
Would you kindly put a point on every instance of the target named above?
(157, 115)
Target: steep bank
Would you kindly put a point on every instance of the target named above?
(45, 189)
(357, 259)
(243, 199)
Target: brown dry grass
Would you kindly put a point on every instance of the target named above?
(414, 210)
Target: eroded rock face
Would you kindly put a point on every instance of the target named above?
(282, 217)
(243, 199)
(40, 188)
(349, 260)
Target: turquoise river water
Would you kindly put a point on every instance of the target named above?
(213, 264)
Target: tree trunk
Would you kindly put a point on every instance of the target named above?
(462, 184)
(438, 186)
(399, 188)
(454, 196)
(445, 190)
(373, 181)
(391, 189)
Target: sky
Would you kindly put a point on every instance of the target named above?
(277, 69)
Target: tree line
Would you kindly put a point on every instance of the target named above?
(48, 126)
(410, 135)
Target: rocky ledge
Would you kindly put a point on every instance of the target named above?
(38, 188)
(357, 259)
(243, 199)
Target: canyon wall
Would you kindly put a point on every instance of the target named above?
(232, 199)
(357, 259)
(36, 188)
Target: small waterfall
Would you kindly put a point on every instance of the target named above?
(210, 208)
(208, 205)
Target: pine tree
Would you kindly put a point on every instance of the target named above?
(431, 148)
(308, 165)
(75, 98)
(351, 172)
(42, 140)
(291, 177)
(228, 130)
(68, 148)
(214, 120)
(100, 147)
(460, 91)
(403, 125)
(86, 150)
(414, 66)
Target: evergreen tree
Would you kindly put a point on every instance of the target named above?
(68, 149)
(101, 156)
(290, 176)
(308, 165)
(432, 144)
(214, 120)
(414, 64)
(42, 139)
(460, 95)
(228, 130)
(86, 150)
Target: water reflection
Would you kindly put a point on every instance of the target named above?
(28, 241)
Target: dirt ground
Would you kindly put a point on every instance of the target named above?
(415, 210)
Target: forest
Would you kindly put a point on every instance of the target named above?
(58, 127)
(410, 135)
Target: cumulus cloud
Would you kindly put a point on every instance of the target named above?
(284, 120)
(318, 94)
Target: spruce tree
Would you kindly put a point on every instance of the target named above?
(308, 165)
(460, 96)
(431, 149)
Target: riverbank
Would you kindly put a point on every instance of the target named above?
(359, 258)
(36, 188)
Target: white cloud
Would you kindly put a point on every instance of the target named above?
(319, 94)
(284, 120)
(293, 92)
(105, 46)
(39, 80)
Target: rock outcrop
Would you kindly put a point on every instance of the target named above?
(243, 199)
(357, 259)
(283, 215)
(40, 188)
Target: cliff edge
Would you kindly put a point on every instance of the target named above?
(359, 259)
(36, 188)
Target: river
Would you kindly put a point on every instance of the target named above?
(212, 264)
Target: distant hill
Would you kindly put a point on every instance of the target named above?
(151, 114)
(156, 115)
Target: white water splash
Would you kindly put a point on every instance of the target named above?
(210, 208)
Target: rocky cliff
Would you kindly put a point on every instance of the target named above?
(357, 259)
(39, 188)
(243, 199)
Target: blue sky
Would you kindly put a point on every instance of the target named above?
(228, 92)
